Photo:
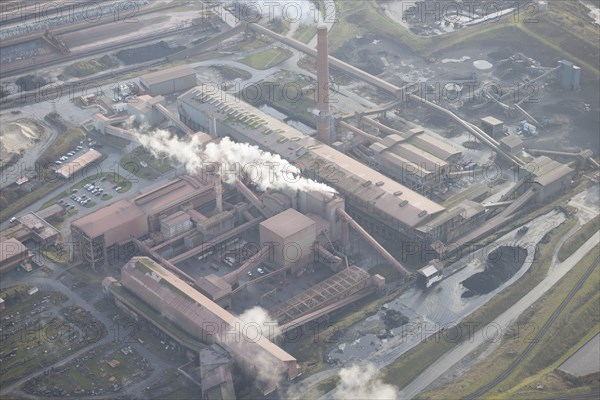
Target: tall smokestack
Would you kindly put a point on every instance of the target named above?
(324, 112)
(219, 192)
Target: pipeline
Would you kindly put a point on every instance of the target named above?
(252, 198)
(360, 132)
(361, 231)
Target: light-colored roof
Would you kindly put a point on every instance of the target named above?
(293, 145)
(287, 223)
(71, 167)
(51, 211)
(512, 141)
(386, 198)
(213, 308)
(547, 170)
(166, 74)
(10, 248)
(117, 214)
(492, 121)
(165, 194)
(428, 271)
(144, 103)
(42, 228)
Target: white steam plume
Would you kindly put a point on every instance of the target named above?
(256, 322)
(359, 382)
(265, 170)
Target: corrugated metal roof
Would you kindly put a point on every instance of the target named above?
(287, 223)
(72, 167)
(10, 248)
(154, 78)
(117, 214)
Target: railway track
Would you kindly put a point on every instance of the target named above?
(486, 388)
(12, 70)
(81, 25)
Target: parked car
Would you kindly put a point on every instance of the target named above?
(260, 271)
(118, 188)
(12, 220)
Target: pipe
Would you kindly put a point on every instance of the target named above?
(361, 231)
(251, 197)
(329, 258)
(382, 127)
(360, 132)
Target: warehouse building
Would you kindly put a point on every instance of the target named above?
(512, 143)
(548, 177)
(206, 321)
(12, 254)
(82, 163)
(172, 80)
(383, 203)
(99, 233)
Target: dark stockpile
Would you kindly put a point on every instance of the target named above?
(394, 319)
(147, 53)
(501, 265)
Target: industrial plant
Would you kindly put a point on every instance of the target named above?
(297, 208)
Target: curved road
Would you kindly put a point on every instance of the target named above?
(503, 321)
(486, 388)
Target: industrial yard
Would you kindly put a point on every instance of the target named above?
(202, 199)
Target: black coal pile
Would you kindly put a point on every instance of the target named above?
(147, 53)
(393, 319)
(30, 82)
(501, 265)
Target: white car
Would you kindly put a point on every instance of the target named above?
(12, 220)
(260, 271)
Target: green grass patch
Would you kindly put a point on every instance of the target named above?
(578, 239)
(54, 200)
(130, 164)
(580, 316)
(267, 59)
(63, 143)
(328, 384)
(305, 33)
(89, 67)
(15, 205)
(411, 364)
(230, 73)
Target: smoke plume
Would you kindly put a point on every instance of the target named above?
(265, 170)
(255, 324)
(359, 382)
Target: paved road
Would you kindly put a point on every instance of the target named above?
(504, 321)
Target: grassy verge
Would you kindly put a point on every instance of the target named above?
(267, 58)
(410, 365)
(28, 199)
(230, 73)
(581, 316)
(89, 67)
(328, 384)
(63, 143)
(305, 33)
(54, 200)
(130, 164)
(580, 237)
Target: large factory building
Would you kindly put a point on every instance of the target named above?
(208, 322)
(374, 198)
(96, 234)
(172, 80)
